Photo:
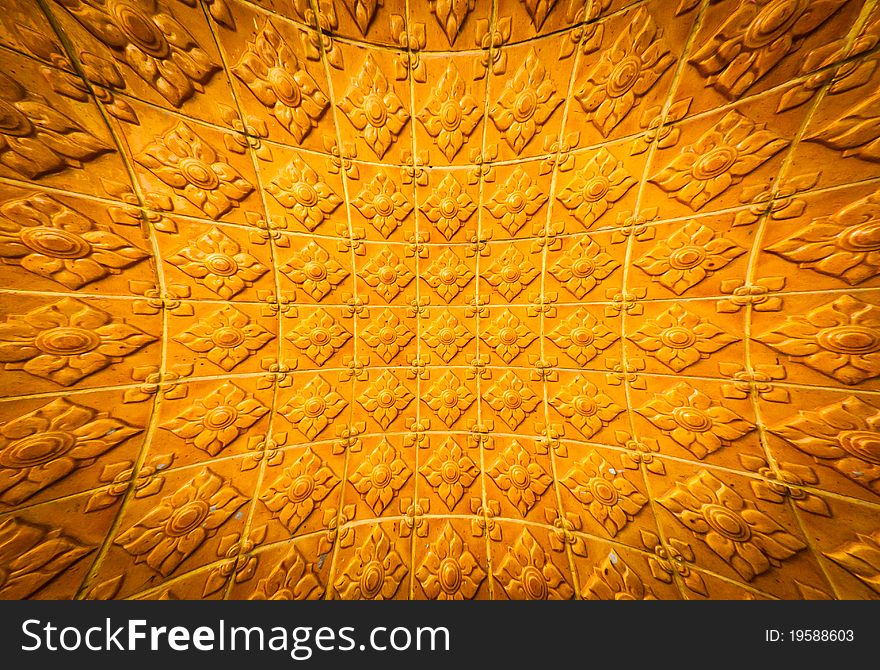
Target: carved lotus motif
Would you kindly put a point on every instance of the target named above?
(520, 477)
(449, 398)
(612, 579)
(448, 275)
(300, 488)
(528, 573)
(583, 266)
(515, 201)
(446, 335)
(588, 409)
(304, 193)
(508, 336)
(450, 471)
(449, 206)
(383, 204)
(386, 274)
(380, 476)
(387, 335)
(861, 558)
(511, 398)
(226, 337)
(510, 273)
(451, 113)
(312, 408)
(291, 579)
(385, 398)
(582, 336)
(374, 572)
(595, 187)
(450, 14)
(312, 269)
(319, 336)
(450, 571)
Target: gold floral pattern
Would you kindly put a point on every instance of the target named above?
(852, 132)
(511, 398)
(380, 476)
(624, 73)
(319, 336)
(507, 336)
(45, 446)
(522, 479)
(374, 109)
(305, 195)
(610, 498)
(273, 73)
(291, 579)
(374, 572)
(612, 579)
(218, 262)
(387, 335)
(449, 398)
(36, 139)
(583, 266)
(840, 339)
(595, 187)
(582, 336)
(679, 338)
(450, 14)
(212, 423)
(386, 274)
(51, 240)
(688, 256)
(585, 407)
(510, 273)
(385, 398)
(314, 270)
(300, 488)
(447, 336)
(195, 171)
(515, 201)
(449, 570)
(695, 421)
(861, 558)
(451, 114)
(528, 573)
(719, 159)
(226, 337)
(381, 201)
(747, 539)
(448, 275)
(67, 341)
(450, 471)
(842, 435)
(312, 408)
(528, 100)
(181, 522)
(449, 206)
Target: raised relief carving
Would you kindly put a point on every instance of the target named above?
(624, 73)
(538, 11)
(515, 201)
(582, 336)
(314, 406)
(374, 572)
(511, 398)
(840, 338)
(451, 113)
(277, 78)
(387, 335)
(508, 336)
(510, 273)
(307, 197)
(585, 407)
(448, 397)
(374, 108)
(528, 573)
(583, 266)
(448, 275)
(449, 570)
(383, 204)
(450, 14)
(613, 579)
(520, 477)
(291, 579)
(386, 274)
(449, 206)
(719, 159)
(595, 187)
(299, 489)
(450, 471)
(447, 336)
(51, 240)
(226, 337)
(67, 341)
(861, 558)
(854, 132)
(380, 476)
(314, 271)
(36, 139)
(385, 398)
(146, 36)
(319, 336)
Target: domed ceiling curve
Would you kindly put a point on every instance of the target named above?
(447, 299)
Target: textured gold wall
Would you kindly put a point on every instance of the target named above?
(442, 299)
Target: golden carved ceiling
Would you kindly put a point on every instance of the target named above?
(442, 299)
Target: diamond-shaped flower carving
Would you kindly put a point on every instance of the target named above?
(721, 158)
(695, 421)
(373, 108)
(595, 187)
(515, 201)
(746, 538)
(508, 336)
(446, 335)
(450, 471)
(586, 408)
(528, 100)
(688, 256)
(840, 339)
(383, 204)
(213, 422)
(277, 78)
(300, 488)
(448, 275)
(381, 475)
(319, 336)
(583, 266)
(387, 335)
(51, 240)
(302, 191)
(226, 337)
(624, 73)
(528, 573)
(679, 338)
(844, 245)
(313, 407)
(451, 113)
(217, 262)
(67, 341)
(449, 570)
(843, 436)
(582, 336)
(520, 476)
(450, 14)
(374, 572)
(195, 171)
(386, 274)
(510, 273)
(181, 522)
(449, 398)
(312, 269)
(385, 398)
(291, 579)
(608, 495)
(512, 399)
(42, 447)
(449, 206)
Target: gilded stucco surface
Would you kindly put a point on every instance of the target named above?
(443, 299)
